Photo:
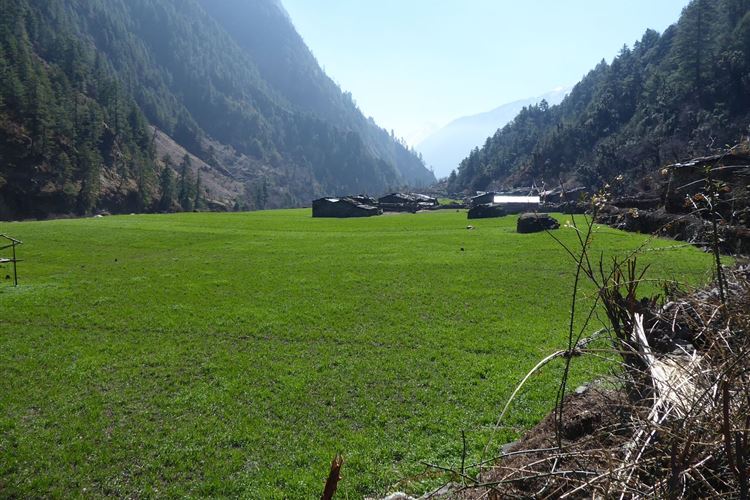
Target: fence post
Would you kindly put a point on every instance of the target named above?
(15, 269)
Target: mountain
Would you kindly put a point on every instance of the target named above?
(677, 94)
(286, 63)
(141, 105)
(444, 149)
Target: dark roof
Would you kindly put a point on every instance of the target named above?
(489, 193)
(364, 199)
(346, 200)
(409, 198)
(342, 207)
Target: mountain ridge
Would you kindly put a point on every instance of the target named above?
(444, 149)
(678, 94)
(82, 82)
(318, 95)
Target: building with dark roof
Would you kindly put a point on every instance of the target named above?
(407, 202)
(344, 208)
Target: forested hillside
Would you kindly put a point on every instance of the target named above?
(445, 148)
(264, 30)
(65, 119)
(86, 86)
(671, 95)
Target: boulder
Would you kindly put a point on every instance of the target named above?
(536, 223)
(487, 211)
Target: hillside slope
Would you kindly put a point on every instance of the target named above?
(81, 81)
(672, 95)
(265, 31)
(444, 149)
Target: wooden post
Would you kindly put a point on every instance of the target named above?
(15, 269)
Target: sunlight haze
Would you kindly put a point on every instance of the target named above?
(415, 65)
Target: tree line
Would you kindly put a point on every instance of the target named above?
(670, 95)
(82, 82)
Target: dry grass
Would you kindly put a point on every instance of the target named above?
(678, 426)
(675, 420)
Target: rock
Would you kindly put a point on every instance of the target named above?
(509, 447)
(448, 491)
(399, 496)
(536, 223)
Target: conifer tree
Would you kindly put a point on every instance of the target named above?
(167, 186)
(198, 201)
(186, 186)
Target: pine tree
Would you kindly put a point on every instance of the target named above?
(167, 186)
(186, 186)
(694, 44)
(198, 202)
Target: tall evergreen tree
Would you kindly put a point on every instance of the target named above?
(198, 201)
(186, 186)
(167, 186)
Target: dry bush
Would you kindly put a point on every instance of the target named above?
(679, 425)
(674, 422)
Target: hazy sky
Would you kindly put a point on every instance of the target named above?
(417, 64)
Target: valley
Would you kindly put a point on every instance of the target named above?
(235, 354)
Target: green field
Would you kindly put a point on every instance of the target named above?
(235, 354)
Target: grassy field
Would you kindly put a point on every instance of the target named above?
(235, 354)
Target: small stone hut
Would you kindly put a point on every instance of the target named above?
(483, 199)
(407, 202)
(343, 208)
(487, 211)
(510, 203)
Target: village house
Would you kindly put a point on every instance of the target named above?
(344, 207)
(407, 202)
(498, 204)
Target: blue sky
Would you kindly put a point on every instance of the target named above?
(415, 65)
